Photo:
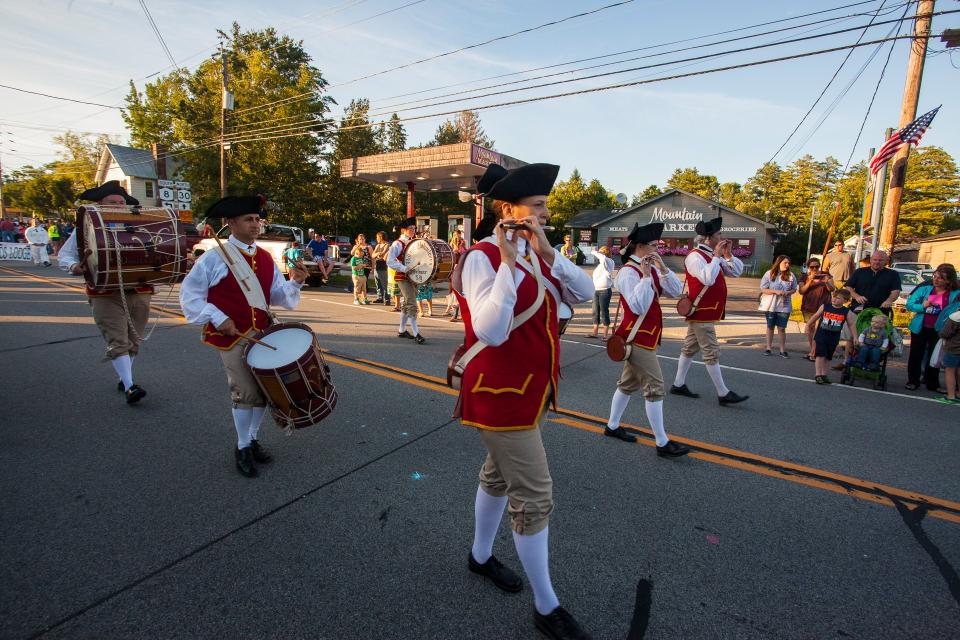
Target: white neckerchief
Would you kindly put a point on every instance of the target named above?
(705, 249)
(247, 248)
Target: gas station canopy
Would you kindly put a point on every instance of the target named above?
(451, 167)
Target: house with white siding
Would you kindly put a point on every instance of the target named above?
(139, 171)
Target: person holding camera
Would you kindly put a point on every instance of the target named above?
(814, 291)
(707, 267)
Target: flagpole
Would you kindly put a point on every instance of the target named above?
(908, 112)
(867, 206)
(879, 184)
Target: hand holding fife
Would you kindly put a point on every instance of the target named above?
(508, 246)
(227, 328)
(298, 272)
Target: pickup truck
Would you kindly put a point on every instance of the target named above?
(275, 238)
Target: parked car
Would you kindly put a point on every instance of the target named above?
(912, 266)
(275, 238)
(909, 279)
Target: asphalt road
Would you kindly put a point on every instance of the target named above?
(805, 512)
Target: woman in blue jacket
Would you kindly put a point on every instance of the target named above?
(928, 302)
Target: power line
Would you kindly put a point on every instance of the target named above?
(594, 76)
(825, 88)
(47, 95)
(156, 31)
(448, 53)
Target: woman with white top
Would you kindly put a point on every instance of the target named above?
(603, 290)
(777, 287)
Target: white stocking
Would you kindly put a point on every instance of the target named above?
(655, 416)
(683, 366)
(717, 377)
(241, 422)
(488, 512)
(413, 325)
(124, 368)
(403, 321)
(617, 406)
(534, 555)
(256, 417)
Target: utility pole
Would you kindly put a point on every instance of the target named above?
(867, 206)
(226, 104)
(908, 113)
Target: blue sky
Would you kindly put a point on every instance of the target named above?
(726, 124)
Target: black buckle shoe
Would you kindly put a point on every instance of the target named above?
(672, 450)
(682, 390)
(420, 340)
(499, 575)
(620, 434)
(405, 334)
(244, 459)
(731, 398)
(120, 386)
(260, 453)
(135, 394)
(559, 625)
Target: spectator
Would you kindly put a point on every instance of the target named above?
(569, 251)
(865, 260)
(294, 255)
(318, 250)
(874, 340)
(380, 267)
(832, 317)
(359, 260)
(814, 291)
(839, 264)
(425, 294)
(603, 290)
(6, 231)
(927, 302)
(874, 286)
(951, 356)
(459, 248)
(38, 239)
(777, 287)
(67, 230)
(393, 289)
(53, 230)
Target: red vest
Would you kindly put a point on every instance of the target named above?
(505, 388)
(398, 276)
(713, 305)
(227, 296)
(649, 333)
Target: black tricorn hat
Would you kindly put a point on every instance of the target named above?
(236, 206)
(646, 233)
(709, 227)
(529, 180)
(407, 222)
(111, 188)
(490, 177)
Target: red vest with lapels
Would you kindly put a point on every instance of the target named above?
(505, 388)
(227, 296)
(398, 276)
(651, 328)
(713, 305)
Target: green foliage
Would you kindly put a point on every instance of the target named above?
(647, 194)
(692, 181)
(574, 195)
(43, 194)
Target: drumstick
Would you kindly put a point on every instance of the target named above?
(261, 342)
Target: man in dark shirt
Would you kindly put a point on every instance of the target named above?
(875, 286)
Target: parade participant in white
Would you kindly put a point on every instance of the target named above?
(706, 268)
(111, 308)
(211, 295)
(38, 238)
(408, 290)
(640, 290)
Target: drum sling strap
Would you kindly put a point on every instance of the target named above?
(518, 320)
(245, 276)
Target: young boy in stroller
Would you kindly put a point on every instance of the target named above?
(876, 340)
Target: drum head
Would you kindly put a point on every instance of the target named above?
(420, 251)
(290, 343)
(89, 242)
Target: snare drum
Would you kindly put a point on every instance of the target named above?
(434, 260)
(564, 316)
(294, 378)
(132, 246)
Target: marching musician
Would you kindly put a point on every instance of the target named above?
(642, 280)
(408, 290)
(516, 276)
(120, 331)
(212, 295)
(707, 265)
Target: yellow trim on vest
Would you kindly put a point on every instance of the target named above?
(477, 388)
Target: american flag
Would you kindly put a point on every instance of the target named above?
(910, 134)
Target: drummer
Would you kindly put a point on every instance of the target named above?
(121, 331)
(408, 290)
(212, 295)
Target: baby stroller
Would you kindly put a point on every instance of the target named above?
(852, 368)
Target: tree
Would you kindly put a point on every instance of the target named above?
(692, 181)
(729, 192)
(396, 134)
(275, 150)
(39, 191)
(464, 127)
(573, 195)
(931, 194)
(79, 157)
(647, 194)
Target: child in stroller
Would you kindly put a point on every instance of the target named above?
(876, 340)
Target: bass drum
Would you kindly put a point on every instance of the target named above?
(132, 246)
(293, 376)
(434, 260)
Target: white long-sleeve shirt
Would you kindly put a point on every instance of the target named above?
(706, 272)
(68, 255)
(393, 256)
(639, 292)
(210, 269)
(492, 295)
(603, 273)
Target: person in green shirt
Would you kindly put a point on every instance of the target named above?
(359, 263)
